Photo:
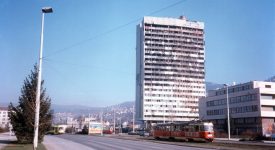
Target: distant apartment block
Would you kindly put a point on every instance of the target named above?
(170, 71)
(4, 117)
(252, 108)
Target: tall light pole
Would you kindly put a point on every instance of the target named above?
(133, 118)
(37, 110)
(227, 105)
(101, 121)
(114, 122)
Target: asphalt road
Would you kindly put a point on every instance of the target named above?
(106, 143)
(5, 138)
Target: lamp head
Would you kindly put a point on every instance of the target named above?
(47, 10)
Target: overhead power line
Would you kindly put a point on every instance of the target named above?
(112, 30)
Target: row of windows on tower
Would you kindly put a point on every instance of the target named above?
(176, 46)
(171, 111)
(165, 84)
(194, 100)
(162, 50)
(171, 27)
(182, 95)
(179, 104)
(147, 82)
(172, 55)
(175, 70)
(172, 60)
(173, 90)
(173, 32)
(173, 36)
(172, 41)
(174, 65)
(165, 80)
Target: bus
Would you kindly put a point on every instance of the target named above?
(57, 129)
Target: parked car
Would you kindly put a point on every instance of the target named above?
(144, 133)
(133, 133)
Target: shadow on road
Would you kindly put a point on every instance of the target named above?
(7, 142)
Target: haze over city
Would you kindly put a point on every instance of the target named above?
(89, 46)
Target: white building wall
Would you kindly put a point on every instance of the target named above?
(4, 117)
(258, 95)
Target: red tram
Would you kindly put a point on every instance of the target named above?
(190, 131)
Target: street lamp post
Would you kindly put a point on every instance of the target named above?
(227, 105)
(101, 121)
(133, 118)
(114, 122)
(37, 101)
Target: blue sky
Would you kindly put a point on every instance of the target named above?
(87, 64)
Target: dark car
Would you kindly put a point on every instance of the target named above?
(133, 133)
(144, 133)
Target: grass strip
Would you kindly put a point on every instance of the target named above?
(15, 146)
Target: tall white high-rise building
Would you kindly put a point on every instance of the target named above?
(170, 73)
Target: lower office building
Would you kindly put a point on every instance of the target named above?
(4, 117)
(251, 108)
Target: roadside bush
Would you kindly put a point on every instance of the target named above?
(69, 130)
(1, 130)
(85, 130)
(22, 115)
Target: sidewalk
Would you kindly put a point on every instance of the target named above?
(5, 138)
(226, 139)
(55, 143)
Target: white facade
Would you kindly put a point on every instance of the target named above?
(170, 71)
(4, 117)
(252, 107)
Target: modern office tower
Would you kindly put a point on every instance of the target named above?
(251, 108)
(170, 73)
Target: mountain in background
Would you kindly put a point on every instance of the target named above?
(212, 86)
(85, 110)
(80, 110)
(4, 104)
(75, 109)
(271, 79)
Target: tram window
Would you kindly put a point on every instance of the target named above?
(208, 128)
(191, 129)
(186, 129)
(172, 128)
(196, 128)
(177, 128)
(202, 128)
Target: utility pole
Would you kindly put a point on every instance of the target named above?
(114, 122)
(38, 88)
(101, 120)
(120, 127)
(133, 118)
(228, 119)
